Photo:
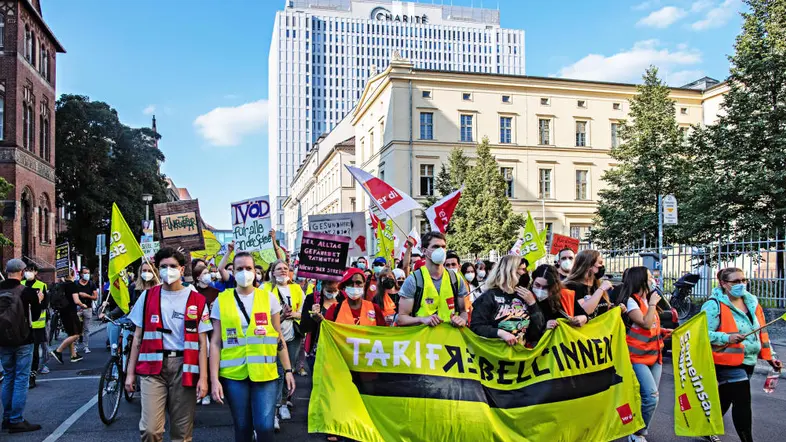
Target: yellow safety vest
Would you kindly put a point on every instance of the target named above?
(310, 289)
(296, 295)
(249, 353)
(41, 321)
(432, 302)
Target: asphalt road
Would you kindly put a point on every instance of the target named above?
(64, 404)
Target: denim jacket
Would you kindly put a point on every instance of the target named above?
(752, 344)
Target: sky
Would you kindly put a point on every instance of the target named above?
(201, 67)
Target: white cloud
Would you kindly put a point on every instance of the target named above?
(662, 18)
(681, 78)
(648, 4)
(717, 16)
(149, 110)
(226, 126)
(630, 64)
(700, 5)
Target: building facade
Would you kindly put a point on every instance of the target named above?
(27, 130)
(323, 51)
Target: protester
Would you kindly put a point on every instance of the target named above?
(554, 300)
(353, 309)
(205, 288)
(40, 342)
(18, 306)
(87, 291)
(361, 263)
(452, 261)
(169, 352)
(565, 259)
(145, 280)
(314, 308)
(70, 318)
(400, 276)
(243, 356)
(732, 313)
(506, 309)
(480, 268)
(386, 297)
(645, 340)
(470, 275)
(259, 272)
(226, 279)
(428, 298)
(585, 280)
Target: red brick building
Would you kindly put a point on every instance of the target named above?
(28, 51)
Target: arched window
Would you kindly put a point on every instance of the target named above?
(28, 42)
(25, 128)
(2, 31)
(44, 230)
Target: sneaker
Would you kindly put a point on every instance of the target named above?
(276, 425)
(712, 438)
(57, 355)
(23, 427)
(636, 438)
(206, 400)
(87, 350)
(44, 370)
(31, 384)
(76, 358)
(284, 413)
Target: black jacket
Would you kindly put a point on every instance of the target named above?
(495, 310)
(29, 301)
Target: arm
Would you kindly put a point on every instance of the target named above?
(222, 266)
(215, 361)
(283, 354)
(713, 322)
(483, 318)
(34, 299)
(131, 369)
(77, 301)
(407, 258)
(405, 311)
(203, 370)
(589, 305)
(645, 321)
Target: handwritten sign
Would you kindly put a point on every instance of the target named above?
(251, 224)
(147, 231)
(323, 256)
(351, 224)
(62, 260)
(150, 248)
(178, 224)
(559, 242)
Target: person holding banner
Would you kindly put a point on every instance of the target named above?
(506, 309)
(386, 297)
(734, 320)
(315, 306)
(585, 280)
(352, 309)
(554, 300)
(244, 355)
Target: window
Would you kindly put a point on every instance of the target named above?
(28, 43)
(466, 128)
(544, 129)
(505, 124)
(616, 106)
(2, 117)
(581, 184)
(426, 125)
(545, 184)
(579, 231)
(581, 133)
(426, 179)
(506, 98)
(545, 102)
(426, 94)
(371, 142)
(27, 116)
(2, 31)
(466, 96)
(507, 175)
(582, 104)
(425, 225)
(684, 110)
(615, 135)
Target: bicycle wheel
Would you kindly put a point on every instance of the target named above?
(127, 354)
(683, 307)
(109, 391)
(54, 324)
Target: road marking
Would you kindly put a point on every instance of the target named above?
(59, 431)
(76, 378)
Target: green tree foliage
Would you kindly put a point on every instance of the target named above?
(5, 188)
(484, 219)
(101, 161)
(652, 158)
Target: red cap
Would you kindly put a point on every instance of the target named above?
(349, 273)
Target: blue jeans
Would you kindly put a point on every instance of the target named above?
(113, 333)
(649, 378)
(16, 363)
(253, 406)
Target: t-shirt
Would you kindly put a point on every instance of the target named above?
(173, 315)
(632, 305)
(495, 310)
(45, 302)
(287, 326)
(332, 314)
(584, 292)
(408, 287)
(248, 304)
(88, 288)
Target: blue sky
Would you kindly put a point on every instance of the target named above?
(201, 67)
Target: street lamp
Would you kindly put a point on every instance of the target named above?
(146, 197)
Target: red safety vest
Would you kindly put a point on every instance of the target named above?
(645, 345)
(151, 351)
(734, 354)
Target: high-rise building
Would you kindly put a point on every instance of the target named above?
(323, 51)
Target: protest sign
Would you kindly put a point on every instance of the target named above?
(147, 231)
(150, 248)
(351, 224)
(559, 242)
(322, 256)
(62, 260)
(179, 225)
(251, 224)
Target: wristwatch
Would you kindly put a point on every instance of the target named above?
(289, 370)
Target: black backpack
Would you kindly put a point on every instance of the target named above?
(57, 296)
(14, 320)
(418, 298)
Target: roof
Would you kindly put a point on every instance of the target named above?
(37, 13)
(347, 145)
(183, 193)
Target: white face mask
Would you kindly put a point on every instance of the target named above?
(330, 295)
(29, 276)
(469, 277)
(86, 276)
(481, 274)
(147, 276)
(354, 292)
(245, 278)
(215, 275)
(438, 256)
(206, 278)
(169, 275)
(541, 294)
(281, 280)
(566, 264)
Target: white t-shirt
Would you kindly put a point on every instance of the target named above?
(248, 303)
(173, 315)
(632, 304)
(287, 327)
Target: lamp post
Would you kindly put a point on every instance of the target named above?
(146, 197)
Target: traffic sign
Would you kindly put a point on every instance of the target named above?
(669, 209)
(100, 244)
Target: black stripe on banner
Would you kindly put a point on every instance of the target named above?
(470, 390)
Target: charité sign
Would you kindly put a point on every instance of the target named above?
(382, 14)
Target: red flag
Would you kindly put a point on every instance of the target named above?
(391, 201)
(440, 213)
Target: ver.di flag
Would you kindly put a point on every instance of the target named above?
(123, 251)
(440, 213)
(385, 241)
(391, 201)
(446, 384)
(697, 409)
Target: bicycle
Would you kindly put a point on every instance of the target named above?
(114, 376)
(55, 326)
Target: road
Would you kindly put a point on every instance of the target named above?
(64, 404)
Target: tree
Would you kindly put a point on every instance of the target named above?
(101, 161)
(652, 159)
(450, 177)
(484, 219)
(5, 187)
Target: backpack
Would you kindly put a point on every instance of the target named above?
(57, 296)
(14, 320)
(418, 298)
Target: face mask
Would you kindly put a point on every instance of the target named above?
(378, 269)
(205, 279)
(29, 276)
(541, 294)
(169, 275)
(566, 264)
(524, 280)
(259, 277)
(244, 278)
(601, 271)
(281, 280)
(361, 266)
(653, 285)
(330, 295)
(388, 284)
(438, 256)
(214, 275)
(354, 292)
(147, 276)
(469, 277)
(737, 290)
(481, 274)
(86, 277)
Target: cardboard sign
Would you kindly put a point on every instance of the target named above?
(62, 260)
(351, 224)
(251, 224)
(323, 256)
(150, 248)
(179, 225)
(559, 242)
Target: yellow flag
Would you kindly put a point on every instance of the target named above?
(385, 243)
(119, 290)
(212, 247)
(123, 251)
(784, 317)
(697, 409)
(533, 247)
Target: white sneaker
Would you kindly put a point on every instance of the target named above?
(636, 438)
(284, 413)
(206, 400)
(87, 350)
(276, 425)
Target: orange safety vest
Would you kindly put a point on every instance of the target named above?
(734, 354)
(568, 299)
(367, 314)
(645, 345)
(388, 307)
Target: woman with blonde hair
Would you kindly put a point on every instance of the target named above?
(146, 279)
(585, 280)
(506, 309)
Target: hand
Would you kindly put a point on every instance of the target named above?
(101, 316)
(579, 321)
(130, 382)
(218, 393)
(654, 299)
(526, 295)
(776, 364)
(735, 338)
(201, 389)
(290, 383)
(551, 324)
(315, 308)
(458, 321)
(666, 332)
(508, 337)
(623, 309)
(431, 321)
(272, 234)
(606, 285)
(317, 317)
(231, 247)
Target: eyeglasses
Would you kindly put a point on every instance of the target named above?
(737, 281)
(357, 283)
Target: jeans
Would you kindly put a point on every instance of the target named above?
(87, 316)
(16, 362)
(42, 344)
(253, 406)
(649, 378)
(113, 333)
(293, 347)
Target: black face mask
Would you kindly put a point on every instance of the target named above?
(601, 272)
(524, 280)
(388, 284)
